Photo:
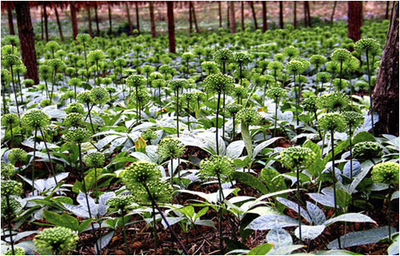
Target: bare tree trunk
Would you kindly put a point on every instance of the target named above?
(194, 18)
(137, 16)
(74, 20)
(254, 14)
(387, 10)
(129, 18)
(220, 14)
(264, 10)
(295, 14)
(27, 40)
(305, 14)
(386, 92)
(242, 13)
(333, 12)
(89, 20)
(10, 19)
(96, 16)
(190, 20)
(46, 22)
(110, 18)
(281, 14)
(309, 14)
(42, 23)
(228, 16)
(355, 20)
(233, 20)
(59, 24)
(171, 26)
(153, 22)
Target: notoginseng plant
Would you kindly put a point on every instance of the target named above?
(295, 67)
(295, 158)
(176, 85)
(171, 148)
(317, 61)
(219, 166)
(341, 55)
(143, 179)
(10, 61)
(5, 80)
(138, 82)
(218, 83)
(139, 100)
(322, 77)
(276, 94)
(10, 121)
(84, 39)
(56, 65)
(96, 57)
(367, 150)
(189, 97)
(233, 109)
(276, 67)
(241, 58)
(57, 240)
(10, 204)
(370, 47)
(187, 56)
(94, 160)
(223, 57)
(387, 172)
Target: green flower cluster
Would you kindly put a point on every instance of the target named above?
(9, 120)
(341, 55)
(295, 67)
(149, 134)
(17, 251)
(170, 147)
(242, 58)
(57, 240)
(140, 173)
(210, 67)
(223, 56)
(291, 51)
(138, 81)
(46, 102)
(73, 120)
(276, 93)
(78, 135)
(85, 97)
(367, 44)
(217, 165)
(10, 60)
(7, 170)
(74, 107)
(333, 101)
(52, 46)
(367, 150)
(96, 56)
(275, 66)
(15, 206)
(119, 202)
(387, 172)
(10, 187)
(218, 83)
(310, 104)
(178, 83)
(5, 77)
(83, 38)
(161, 191)
(56, 64)
(239, 92)
(296, 157)
(332, 122)
(353, 119)
(233, 108)
(249, 116)
(17, 155)
(323, 77)
(94, 159)
(99, 95)
(318, 60)
(35, 119)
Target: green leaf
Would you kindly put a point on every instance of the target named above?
(85, 224)
(338, 149)
(343, 198)
(247, 139)
(241, 163)
(63, 220)
(63, 199)
(309, 232)
(261, 249)
(188, 211)
(394, 247)
(279, 237)
(273, 182)
(363, 136)
(235, 149)
(78, 186)
(201, 213)
(169, 130)
(250, 180)
(318, 166)
(350, 217)
(271, 221)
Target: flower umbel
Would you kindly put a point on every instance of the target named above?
(58, 240)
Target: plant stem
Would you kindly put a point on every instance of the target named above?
(154, 228)
(221, 200)
(370, 95)
(223, 115)
(15, 91)
(9, 223)
(124, 232)
(334, 179)
(298, 200)
(276, 116)
(177, 111)
(48, 155)
(34, 162)
(389, 213)
(4, 98)
(233, 127)
(216, 128)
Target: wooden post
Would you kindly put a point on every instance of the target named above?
(242, 13)
(137, 16)
(254, 14)
(89, 19)
(96, 17)
(355, 21)
(46, 21)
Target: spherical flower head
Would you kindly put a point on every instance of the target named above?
(46, 102)
(45, 72)
(141, 98)
(74, 107)
(233, 108)
(318, 60)
(136, 81)
(75, 81)
(367, 150)
(387, 172)
(239, 92)
(7, 49)
(310, 104)
(99, 95)
(120, 62)
(222, 56)
(216, 166)
(276, 93)
(73, 120)
(137, 48)
(294, 67)
(5, 77)
(83, 38)
(15, 206)
(11, 39)
(96, 56)
(161, 191)
(341, 55)
(149, 134)
(333, 101)
(340, 84)
(52, 46)
(85, 97)
(249, 116)
(187, 56)
(7, 170)
(56, 64)
(297, 157)
(35, 119)
(367, 44)
(17, 251)
(352, 65)
(178, 83)
(189, 97)
(332, 67)
(10, 60)
(140, 173)
(218, 83)
(242, 58)
(119, 202)
(275, 66)
(78, 135)
(353, 118)
(94, 159)
(332, 122)
(17, 155)
(279, 57)
(10, 120)
(57, 240)
(170, 148)
(291, 51)
(323, 77)
(210, 67)
(11, 187)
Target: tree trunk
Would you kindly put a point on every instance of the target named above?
(264, 14)
(74, 20)
(295, 14)
(220, 14)
(387, 10)
(355, 20)
(110, 18)
(386, 92)
(10, 19)
(89, 20)
(59, 24)
(305, 14)
(153, 22)
(137, 16)
(42, 23)
(46, 22)
(242, 13)
(333, 12)
(194, 18)
(228, 17)
(233, 21)
(27, 40)
(190, 20)
(96, 17)
(281, 14)
(171, 26)
(308, 14)
(254, 14)
(129, 19)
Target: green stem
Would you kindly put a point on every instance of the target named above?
(334, 179)
(370, 95)
(298, 200)
(216, 128)
(9, 224)
(389, 213)
(124, 232)
(48, 155)
(34, 162)
(154, 228)
(221, 200)
(177, 111)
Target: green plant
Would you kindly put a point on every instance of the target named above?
(171, 148)
(276, 94)
(58, 240)
(223, 57)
